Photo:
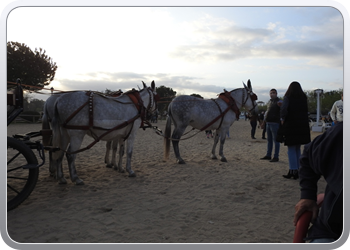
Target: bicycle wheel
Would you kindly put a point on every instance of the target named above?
(20, 181)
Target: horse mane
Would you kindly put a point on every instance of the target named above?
(131, 91)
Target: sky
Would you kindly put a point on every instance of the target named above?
(200, 50)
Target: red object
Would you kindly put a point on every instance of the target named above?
(304, 221)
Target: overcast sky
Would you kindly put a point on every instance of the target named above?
(189, 49)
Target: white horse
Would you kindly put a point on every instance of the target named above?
(110, 145)
(107, 119)
(214, 114)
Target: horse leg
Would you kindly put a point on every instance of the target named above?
(121, 153)
(118, 166)
(57, 157)
(222, 142)
(129, 148)
(53, 165)
(108, 148)
(178, 132)
(216, 139)
(75, 143)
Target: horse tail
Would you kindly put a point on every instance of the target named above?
(167, 134)
(45, 126)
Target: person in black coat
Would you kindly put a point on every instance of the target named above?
(295, 125)
(323, 157)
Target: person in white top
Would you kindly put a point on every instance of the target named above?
(337, 111)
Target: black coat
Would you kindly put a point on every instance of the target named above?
(295, 129)
(324, 157)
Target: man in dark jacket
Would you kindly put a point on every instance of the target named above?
(323, 157)
(272, 123)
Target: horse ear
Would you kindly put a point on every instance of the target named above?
(245, 86)
(153, 85)
(144, 85)
(249, 85)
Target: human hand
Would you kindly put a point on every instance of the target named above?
(305, 205)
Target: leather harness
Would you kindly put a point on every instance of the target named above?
(134, 96)
(231, 104)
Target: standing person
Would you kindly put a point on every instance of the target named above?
(253, 118)
(295, 125)
(323, 157)
(261, 120)
(272, 123)
(337, 111)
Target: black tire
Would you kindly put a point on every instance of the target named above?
(20, 181)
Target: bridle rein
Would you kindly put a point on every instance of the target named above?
(253, 97)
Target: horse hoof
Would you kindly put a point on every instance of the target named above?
(223, 159)
(132, 175)
(213, 157)
(121, 171)
(79, 182)
(62, 181)
(109, 166)
(181, 162)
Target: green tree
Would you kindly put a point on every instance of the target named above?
(326, 101)
(34, 68)
(166, 94)
(35, 105)
(311, 101)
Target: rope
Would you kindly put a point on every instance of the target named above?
(160, 133)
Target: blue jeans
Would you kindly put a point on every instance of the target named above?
(271, 130)
(322, 240)
(293, 157)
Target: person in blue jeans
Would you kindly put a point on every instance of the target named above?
(294, 126)
(272, 123)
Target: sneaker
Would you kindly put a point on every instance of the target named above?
(266, 158)
(274, 160)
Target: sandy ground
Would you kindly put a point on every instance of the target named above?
(245, 200)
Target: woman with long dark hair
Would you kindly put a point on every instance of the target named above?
(295, 125)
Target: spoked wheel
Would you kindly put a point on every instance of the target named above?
(20, 180)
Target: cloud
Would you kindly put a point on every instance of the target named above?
(128, 80)
(212, 40)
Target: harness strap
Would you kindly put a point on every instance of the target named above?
(65, 124)
(91, 115)
(226, 96)
(217, 118)
(136, 99)
(231, 104)
(122, 125)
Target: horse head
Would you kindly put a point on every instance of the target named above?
(250, 100)
(153, 97)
